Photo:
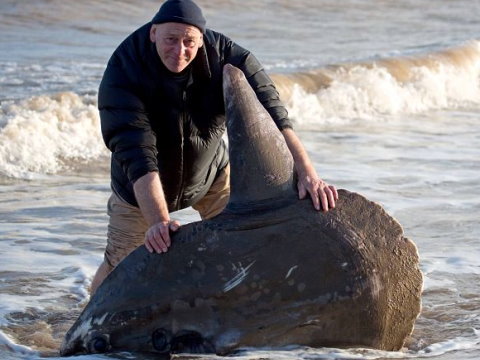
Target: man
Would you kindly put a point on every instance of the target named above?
(162, 115)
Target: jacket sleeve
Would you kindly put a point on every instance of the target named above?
(125, 125)
(259, 81)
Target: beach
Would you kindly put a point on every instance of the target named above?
(384, 95)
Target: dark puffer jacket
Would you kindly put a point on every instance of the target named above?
(152, 122)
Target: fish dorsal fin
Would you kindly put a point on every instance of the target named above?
(261, 163)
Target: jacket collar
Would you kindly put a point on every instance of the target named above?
(201, 65)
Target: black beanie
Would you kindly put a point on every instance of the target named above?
(181, 11)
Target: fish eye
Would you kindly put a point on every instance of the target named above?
(99, 344)
(161, 340)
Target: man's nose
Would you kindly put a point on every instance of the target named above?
(179, 48)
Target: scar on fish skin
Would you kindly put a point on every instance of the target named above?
(237, 279)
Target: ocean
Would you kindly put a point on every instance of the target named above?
(385, 96)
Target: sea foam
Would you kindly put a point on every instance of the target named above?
(43, 134)
(370, 90)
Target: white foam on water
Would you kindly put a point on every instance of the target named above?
(372, 92)
(305, 353)
(460, 261)
(11, 346)
(71, 283)
(451, 345)
(45, 133)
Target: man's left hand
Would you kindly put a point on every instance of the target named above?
(323, 195)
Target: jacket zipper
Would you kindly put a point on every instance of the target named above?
(183, 120)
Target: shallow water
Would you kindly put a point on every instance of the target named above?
(411, 144)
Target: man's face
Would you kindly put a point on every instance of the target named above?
(177, 44)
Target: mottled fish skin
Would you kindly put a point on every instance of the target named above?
(268, 271)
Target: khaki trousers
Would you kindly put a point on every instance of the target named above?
(127, 227)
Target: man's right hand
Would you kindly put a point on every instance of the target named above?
(157, 237)
(151, 200)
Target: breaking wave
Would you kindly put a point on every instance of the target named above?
(48, 134)
(441, 80)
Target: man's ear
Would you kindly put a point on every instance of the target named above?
(153, 31)
(201, 42)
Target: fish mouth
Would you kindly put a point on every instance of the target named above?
(184, 341)
(71, 348)
(162, 342)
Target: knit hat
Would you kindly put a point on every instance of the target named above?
(181, 11)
